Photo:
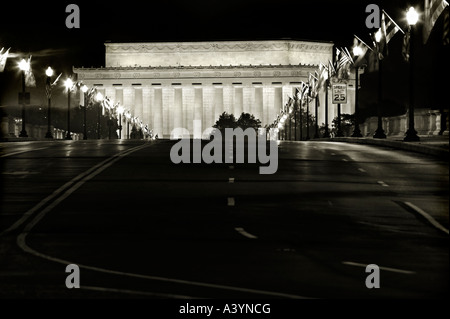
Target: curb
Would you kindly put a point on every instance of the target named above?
(407, 146)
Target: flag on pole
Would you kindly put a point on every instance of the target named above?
(3, 58)
(405, 46)
(446, 28)
(389, 27)
(30, 81)
(433, 9)
(49, 86)
(357, 42)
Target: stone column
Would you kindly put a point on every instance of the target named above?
(277, 99)
(188, 108)
(228, 99)
(258, 102)
(238, 101)
(269, 104)
(168, 110)
(198, 112)
(138, 102)
(247, 99)
(178, 108)
(218, 101)
(158, 112)
(208, 112)
(128, 100)
(146, 106)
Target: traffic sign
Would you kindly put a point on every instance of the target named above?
(339, 91)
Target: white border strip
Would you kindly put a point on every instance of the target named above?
(408, 272)
(427, 217)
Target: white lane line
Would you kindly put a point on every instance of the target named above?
(20, 152)
(135, 292)
(83, 177)
(401, 271)
(241, 231)
(427, 216)
(361, 170)
(231, 201)
(20, 173)
(383, 184)
(231, 180)
(21, 242)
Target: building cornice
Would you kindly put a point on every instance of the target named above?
(225, 46)
(174, 72)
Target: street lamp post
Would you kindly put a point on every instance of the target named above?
(307, 113)
(316, 111)
(412, 18)
(99, 98)
(68, 84)
(357, 51)
(120, 110)
(84, 89)
(379, 133)
(24, 66)
(326, 134)
(49, 73)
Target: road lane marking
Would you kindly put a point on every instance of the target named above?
(231, 180)
(231, 201)
(21, 242)
(401, 271)
(345, 160)
(427, 216)
(134, 292)
(361, 170)
(241, 231)
(383, 184)
(20, 152)
(68, 188)
(20, 173)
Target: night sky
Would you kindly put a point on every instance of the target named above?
(38, 28)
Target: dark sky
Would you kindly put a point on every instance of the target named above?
(38, 27)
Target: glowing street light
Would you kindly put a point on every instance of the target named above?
(357, 51)
(84, 89)
(412, 17)
(24, 66)
(68, 84)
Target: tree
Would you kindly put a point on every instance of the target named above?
(247, 120)
(225, 121)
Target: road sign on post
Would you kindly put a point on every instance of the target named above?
(339, 91)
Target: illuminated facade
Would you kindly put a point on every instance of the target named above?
(189, 84)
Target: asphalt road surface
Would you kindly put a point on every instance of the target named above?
(139, 226)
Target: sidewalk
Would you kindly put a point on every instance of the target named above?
(437, 146)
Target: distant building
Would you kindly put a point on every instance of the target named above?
(176, 84)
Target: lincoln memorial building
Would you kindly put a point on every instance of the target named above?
(189, 84)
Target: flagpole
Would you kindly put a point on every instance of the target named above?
(393, 21)
(316, 129)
